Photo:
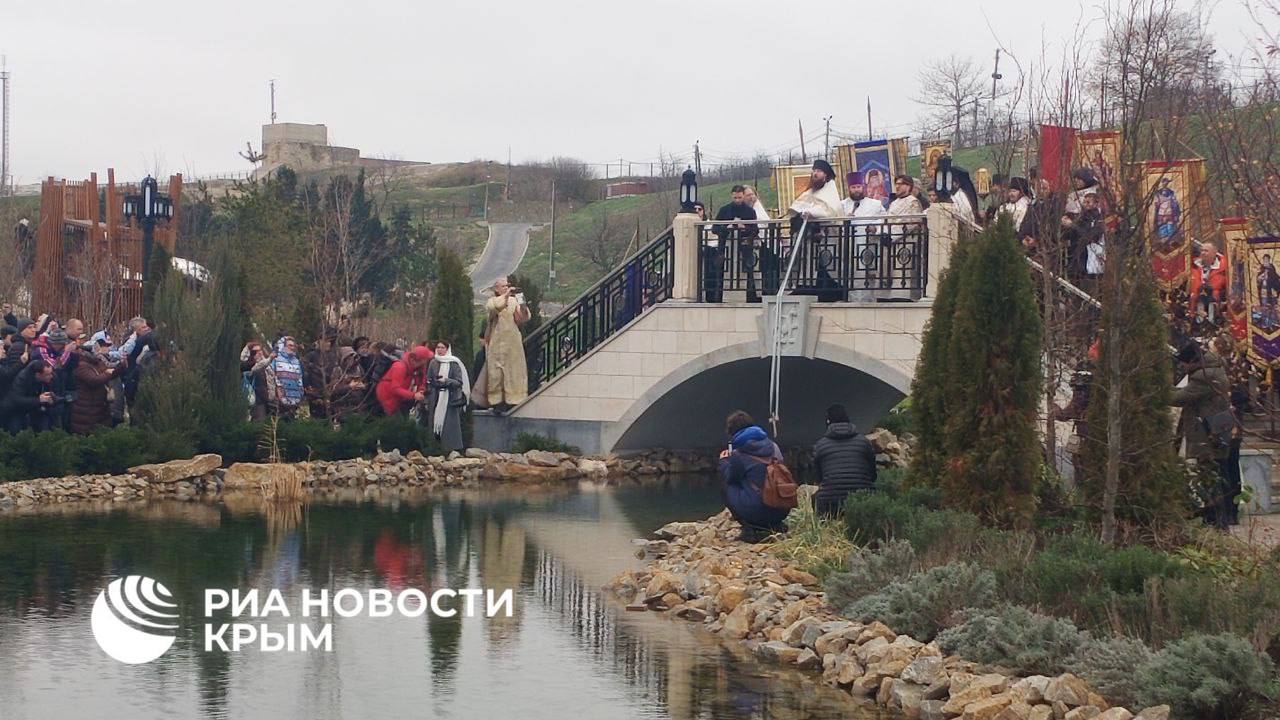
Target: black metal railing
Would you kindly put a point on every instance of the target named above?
(642, 280)
(878, 258)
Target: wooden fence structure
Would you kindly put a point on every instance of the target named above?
(89, 254)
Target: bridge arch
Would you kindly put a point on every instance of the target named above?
(688, 407)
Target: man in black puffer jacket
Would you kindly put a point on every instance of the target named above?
(845, 462)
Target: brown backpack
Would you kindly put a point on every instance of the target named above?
(779, 489)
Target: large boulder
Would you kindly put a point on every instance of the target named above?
(256, 476)
(503, 471)
(176, 470)
(543, 458)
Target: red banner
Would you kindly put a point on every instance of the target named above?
(1057, 145)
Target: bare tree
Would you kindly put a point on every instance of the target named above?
(389, 176)
(605, 242)
(949, 86)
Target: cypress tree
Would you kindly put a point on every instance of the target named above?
(933, 373)
(452, 306)
(1134, 363)
(991, 393)
(158, 268)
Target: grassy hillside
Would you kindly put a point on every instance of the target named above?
(621, 220)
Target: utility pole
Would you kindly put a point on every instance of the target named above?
(6, 185)
(697, 158)
(995, 75)
(273, 101)
(826, 149)
(804, 157)
(870, 135)
(506, 191)
(551, 262)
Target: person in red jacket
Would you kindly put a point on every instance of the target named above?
(405, 383)
(1208, 284)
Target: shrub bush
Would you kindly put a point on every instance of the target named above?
(874, 517)
(1109, 664)
(869, 571)
(527, 441)
(114, 450)
(1016, 638)
(925, 603)
(1207, 676)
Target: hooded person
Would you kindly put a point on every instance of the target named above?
(450, 391)
(822, 199)
(742, 470)
(1017, 201)
(1083, 182)
(405, 383)
(964, 196)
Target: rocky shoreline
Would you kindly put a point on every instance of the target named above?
(744, 593)
(203, 476)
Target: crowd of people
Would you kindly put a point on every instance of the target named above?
(55, 375)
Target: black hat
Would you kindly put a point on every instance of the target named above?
(825, 167)
(1021, 185)
(24, 323)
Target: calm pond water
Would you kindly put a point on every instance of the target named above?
(567, 651)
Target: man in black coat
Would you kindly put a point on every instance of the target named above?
(28, 398)
(845, 462)
(740, 233)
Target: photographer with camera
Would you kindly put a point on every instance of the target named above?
(504, 381)
(57, 350)
(26, 405)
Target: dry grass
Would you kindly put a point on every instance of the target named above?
(818, 545)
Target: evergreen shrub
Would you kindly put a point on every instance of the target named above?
(923, 604)
(1013, 637)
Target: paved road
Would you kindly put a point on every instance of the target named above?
(502, 254)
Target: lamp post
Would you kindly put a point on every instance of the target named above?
(688, 190)
(943, 182)
(147, 207)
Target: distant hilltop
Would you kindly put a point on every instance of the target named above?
(305, 148)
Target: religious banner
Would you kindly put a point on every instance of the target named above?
(1234, 234)
(1175, 217)
(1057, 145)
(790, 181)
(878, 161)
(930, 151)
(1099, 150)
(1263, 289)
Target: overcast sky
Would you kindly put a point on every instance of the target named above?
(182, 86)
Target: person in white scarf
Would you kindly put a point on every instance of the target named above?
(450, 391)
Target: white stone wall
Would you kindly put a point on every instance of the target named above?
(605, 384)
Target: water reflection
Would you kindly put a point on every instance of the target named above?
(566, 650)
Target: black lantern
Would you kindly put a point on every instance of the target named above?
(943, 181)
(147, 207)
(688, 190)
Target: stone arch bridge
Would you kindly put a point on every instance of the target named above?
(642, 360)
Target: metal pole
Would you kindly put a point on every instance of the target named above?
(804, 157)
(551, 262)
